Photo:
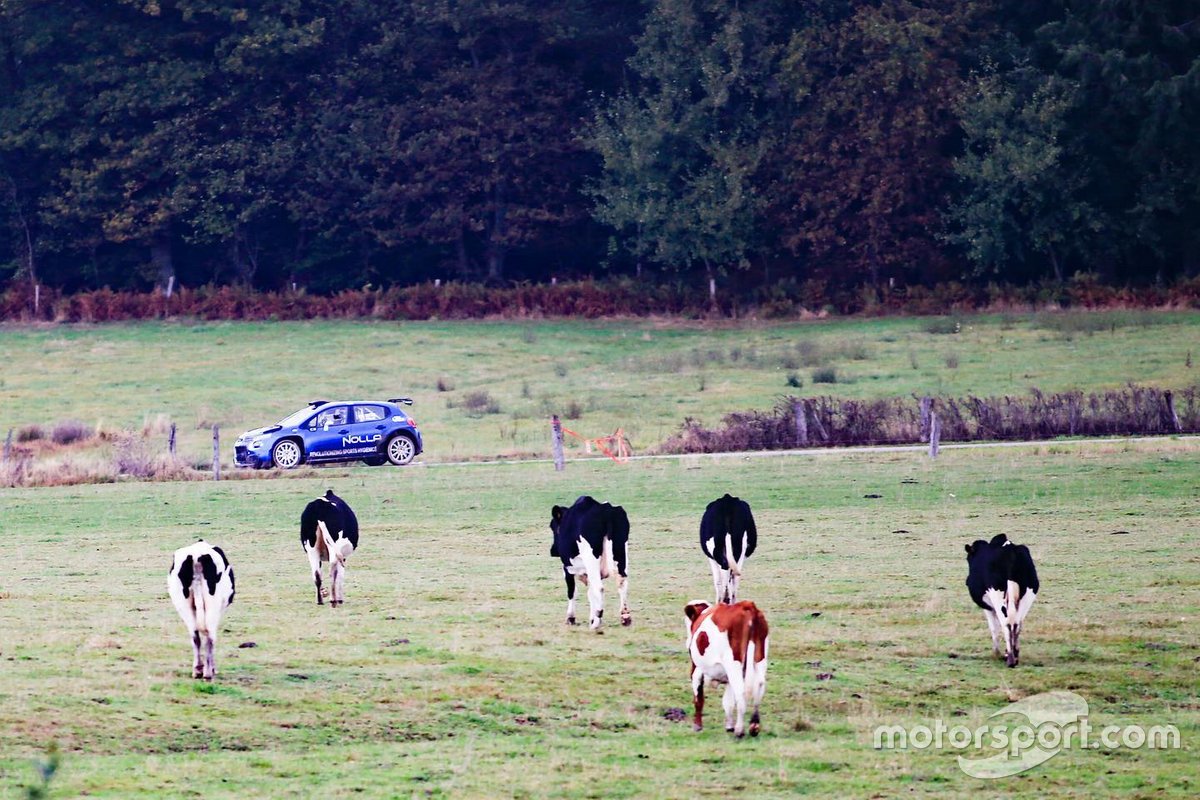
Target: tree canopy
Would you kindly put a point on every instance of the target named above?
(338, 143)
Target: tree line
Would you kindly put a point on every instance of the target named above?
(340, 143)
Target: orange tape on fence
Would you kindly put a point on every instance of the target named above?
(615, 446)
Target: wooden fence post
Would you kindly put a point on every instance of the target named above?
(801, 423)
(171, 441)
(926, 403)
(935, 434)
(216, 453)
(37, 298)
(7, 445)
(557, 442)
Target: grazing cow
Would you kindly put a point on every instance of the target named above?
(728, 644)
(200, 584)
(590, 537)
(728, 537)
(329, 532)
(1004, 583)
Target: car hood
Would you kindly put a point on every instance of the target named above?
(250, 434)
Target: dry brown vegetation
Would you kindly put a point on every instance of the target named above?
(831, 422)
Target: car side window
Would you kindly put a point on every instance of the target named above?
(331, 416)
(369, 413)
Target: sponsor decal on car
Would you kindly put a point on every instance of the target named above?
(355, 438)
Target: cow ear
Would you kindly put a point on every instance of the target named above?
(693, 610)
(970, 548)
(556, 513)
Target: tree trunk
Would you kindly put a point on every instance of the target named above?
(460, 254)
(1058, 274)
(161, 259)
(496, 248)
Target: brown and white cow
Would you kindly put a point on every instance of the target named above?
(728, 644)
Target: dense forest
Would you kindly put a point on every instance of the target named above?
(333, 144)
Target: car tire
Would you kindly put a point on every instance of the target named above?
(400, 450)
(286, 454)
(375, 461)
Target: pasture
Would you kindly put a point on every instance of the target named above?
(449, 671)
(487, 389)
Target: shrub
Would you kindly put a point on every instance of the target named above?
(444, 385)
(942, 325)
(69, 432)
(574, 410)
(795, 381)
(480, 402)
(132, 457)
(824, 375)
(32, 433)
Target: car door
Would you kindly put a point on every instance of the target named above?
(325, 431)
(367, 428)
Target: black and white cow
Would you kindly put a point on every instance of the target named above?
(329, 532)
(728, 537)
(590, 537)
(200, 584)
(1004, 583)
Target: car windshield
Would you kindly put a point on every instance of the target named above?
(294, 420)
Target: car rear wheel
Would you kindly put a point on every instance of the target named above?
(286, 454)
(375, 461)
(401, 450)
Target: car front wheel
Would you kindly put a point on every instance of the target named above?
(286, 454)
(401, 450)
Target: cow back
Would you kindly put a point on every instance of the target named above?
(730, 517)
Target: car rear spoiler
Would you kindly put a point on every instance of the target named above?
(406, 400)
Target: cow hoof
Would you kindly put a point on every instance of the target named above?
(739, 734)
(754, 729)
(697, 728)
(571, 621)
(197, 673)
(626, 621)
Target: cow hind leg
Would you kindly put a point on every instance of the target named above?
(994, 627)
(595, 588)
(698, 699)
(197, 654)
(336, 570)
(735, 701)
(622, 559)
(570, 597)
(314, 562)
(718, 580)
(210, 656)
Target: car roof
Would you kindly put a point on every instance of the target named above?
(315, 404)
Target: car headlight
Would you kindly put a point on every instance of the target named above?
(256, 443)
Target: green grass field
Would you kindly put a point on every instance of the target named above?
(449, 671)
(643, 376)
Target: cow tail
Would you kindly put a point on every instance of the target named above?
(1012, 596)
(749, 671)
(199, 598)
(733, 565)
(330, 546)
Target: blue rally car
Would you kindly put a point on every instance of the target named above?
(372, 431)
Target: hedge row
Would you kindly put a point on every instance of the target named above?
(588, 299)
(834, 422)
